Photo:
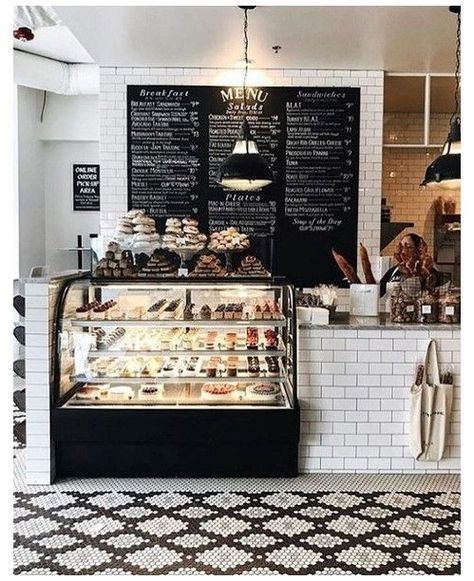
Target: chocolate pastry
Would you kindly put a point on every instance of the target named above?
(273, 366)
(157, 306)
(158, 265)
(188, 314)
(205, 312)
(208, 266)
(253, 366)
(251, 267)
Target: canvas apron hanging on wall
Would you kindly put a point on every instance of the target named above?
(430, 409)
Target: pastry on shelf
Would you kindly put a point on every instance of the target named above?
(208, 266)
(271, 339)
(158, 266)
(145, 237)
(93, 392)
(214, 365)
(257, 312)
(106, 340)
(211, 337)
(117, 263)
(121, 392)
(275, 309)
(155, 309)
(155, 365)
(273, 367)
(104, 311)
(170, 367)
(124, 227)
(266, 311)
(217, 391)
(218, 312)
(183, 235)
(251, 267)
(192, 366)
(150, 391)
(173, 310)
(205, 312)
(228, 240)
(230, 340)
(263, 391)
(253, 366)
(252, 338)
(84, 311)
(188, 313)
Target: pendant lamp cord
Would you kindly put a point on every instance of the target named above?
(458, 70)
(246, 57)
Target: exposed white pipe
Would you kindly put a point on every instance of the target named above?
(37, 72)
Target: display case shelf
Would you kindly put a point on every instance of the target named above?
(180, 379)
(216, 323)
(190, 353)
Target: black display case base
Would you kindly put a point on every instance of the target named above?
(184, 443)
(176, 460)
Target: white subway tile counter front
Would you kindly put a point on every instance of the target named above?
(354, 380)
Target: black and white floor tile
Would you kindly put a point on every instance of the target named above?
(237, 533)
(315, 524)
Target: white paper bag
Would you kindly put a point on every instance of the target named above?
(430, 409)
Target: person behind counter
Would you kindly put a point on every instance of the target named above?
(413, 259)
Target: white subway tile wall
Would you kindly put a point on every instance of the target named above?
(354, 398)
(113, 151)
(404, 169)
(40, 300)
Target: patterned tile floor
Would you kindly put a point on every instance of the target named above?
(315, 524)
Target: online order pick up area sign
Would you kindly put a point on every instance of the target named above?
(86, 188)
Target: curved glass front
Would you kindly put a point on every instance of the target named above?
(188, 344)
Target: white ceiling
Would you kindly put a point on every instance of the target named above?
(397, 38)
(55, 42)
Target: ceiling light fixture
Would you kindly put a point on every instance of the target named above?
(245, 169)
(445, 171)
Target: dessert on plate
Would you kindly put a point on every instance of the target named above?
(217, 391)
(263, 391)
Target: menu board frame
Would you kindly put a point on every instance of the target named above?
(329, 201)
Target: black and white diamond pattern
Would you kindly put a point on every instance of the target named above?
(331, 524)
(351, 532)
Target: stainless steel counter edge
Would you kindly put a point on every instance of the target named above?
(346, 321)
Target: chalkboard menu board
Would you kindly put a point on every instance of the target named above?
(178, 136)
(86, 188)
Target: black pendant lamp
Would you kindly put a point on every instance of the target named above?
(245, 169)
(445, 171)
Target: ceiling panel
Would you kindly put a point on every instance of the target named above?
(397, 38)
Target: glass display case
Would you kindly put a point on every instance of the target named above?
(189, 353)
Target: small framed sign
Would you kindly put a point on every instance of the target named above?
(86, 187)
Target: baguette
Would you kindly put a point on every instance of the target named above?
(346, 268)
(366, 266)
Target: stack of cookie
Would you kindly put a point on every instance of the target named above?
(145, 239)
(251, 267)
(183, 234)
(158, 265)
(208, 266)
(228, 239)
